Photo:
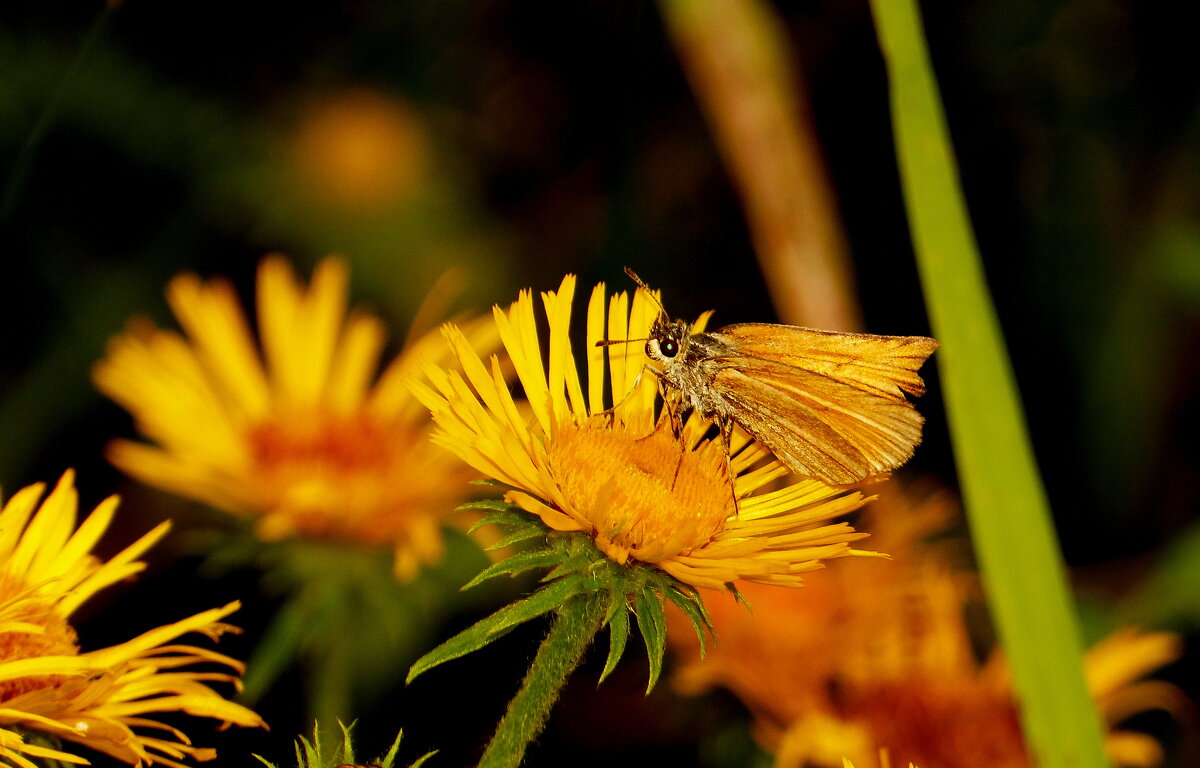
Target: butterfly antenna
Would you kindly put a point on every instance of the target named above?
(614, 342)
(642, 284)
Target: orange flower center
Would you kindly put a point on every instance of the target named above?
(940, 723)
(645, 497)
(57, 638)
(346, 477)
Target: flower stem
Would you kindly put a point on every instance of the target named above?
(575, 625)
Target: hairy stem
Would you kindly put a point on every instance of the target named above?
(575, 625)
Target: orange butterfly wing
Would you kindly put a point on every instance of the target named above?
(828, 404)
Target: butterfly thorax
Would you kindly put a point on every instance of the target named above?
(689, 362)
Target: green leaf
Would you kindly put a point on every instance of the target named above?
(421, 760)
(312, 754)
(347, 755)
(486, 630)
(618, 632)
(518, 563)
(390, 756)
(505, 518)
(693, 605)
(652, 624)
(495, 505)
(1006, 505)
(312, 750)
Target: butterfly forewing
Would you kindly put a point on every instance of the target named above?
(887, 364)
(829, 405)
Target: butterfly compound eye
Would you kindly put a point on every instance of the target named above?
(669, 348)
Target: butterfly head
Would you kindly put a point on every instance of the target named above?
(668, 340)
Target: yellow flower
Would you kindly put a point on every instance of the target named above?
(877, 656)
(615, 473)
(104, 699)
(303, 436)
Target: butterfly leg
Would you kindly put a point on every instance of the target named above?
(611, 411)
(726, 425)
(671, 410)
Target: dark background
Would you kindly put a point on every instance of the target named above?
(555, 137)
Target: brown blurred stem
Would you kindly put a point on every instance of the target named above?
(736, 55)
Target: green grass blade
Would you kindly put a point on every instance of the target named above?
(1006, 504)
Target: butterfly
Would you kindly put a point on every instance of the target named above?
(829, 405)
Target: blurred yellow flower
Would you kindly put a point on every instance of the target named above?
(304, 436)
(615, 473)
(105, 699)
(877, 656)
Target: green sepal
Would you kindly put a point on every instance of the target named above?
(504, 518)
(576, 568)
(572, 564)
(653, 625)
(738, 596)
(313, 754)
(421, 760)
(309, 755)
(618, 632)
(482, 632)
(495, 505)
(689, 601)
(348, 743)
(517, 564)
(517, 536)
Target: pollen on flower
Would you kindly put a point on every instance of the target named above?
(54, 636)
(647, 497)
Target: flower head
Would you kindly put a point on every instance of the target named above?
(104, 699)
(619, 473)
(303, 436)
(878, 656)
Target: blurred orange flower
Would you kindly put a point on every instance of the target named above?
(360, 149)
(305, 436)
(877, 656)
